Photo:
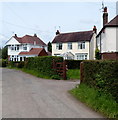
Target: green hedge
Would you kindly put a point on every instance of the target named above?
(3, 62)
(102, 75)
(44, 65)
(16, 64)
(73, 64)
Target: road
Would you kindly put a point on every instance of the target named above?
(26, 96)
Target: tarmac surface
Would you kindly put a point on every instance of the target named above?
(26, 96)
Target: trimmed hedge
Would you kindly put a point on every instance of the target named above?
(16, 64)
(44, 65)
(102, 74)
(73, 64)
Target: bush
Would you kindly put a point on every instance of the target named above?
(43, 65)
(73, 64)
(102, 75)
(3, 62)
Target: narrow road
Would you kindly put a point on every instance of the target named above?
(26, 96)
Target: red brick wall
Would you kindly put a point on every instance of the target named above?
(110, 56)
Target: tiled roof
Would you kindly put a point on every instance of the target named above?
(33, 51)
(73, 37)
(29, 39)
(114, 21)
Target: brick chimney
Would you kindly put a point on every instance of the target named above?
(94, 29)
(105, 16)
(15, 35)
(35, 35)
(57, 32)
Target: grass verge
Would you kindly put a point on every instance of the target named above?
(100, 102)
(73, 74)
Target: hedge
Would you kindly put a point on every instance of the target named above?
(73, 64)
(3, 62)
(19, 64)
(102, 74)
(44, 65)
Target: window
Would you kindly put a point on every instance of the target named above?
(81, 45)
(81, 56)
(15, 47)
(70, 46)
(24, 47)
(56, 54)
(59, 46)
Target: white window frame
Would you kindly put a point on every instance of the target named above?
(25, 47)
(82, 56)
(59, 46)
(70, 45)
(81, 45)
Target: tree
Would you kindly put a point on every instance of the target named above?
(4, 53)
(97, 54)
(49, 46)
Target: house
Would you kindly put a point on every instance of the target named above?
(20, 48)
(107, 38)
(75, 45)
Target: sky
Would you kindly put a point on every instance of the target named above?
(44, 18)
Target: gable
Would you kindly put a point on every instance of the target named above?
(12, 41)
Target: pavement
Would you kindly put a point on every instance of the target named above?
(26, 96)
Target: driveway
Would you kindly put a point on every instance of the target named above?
(26, 96)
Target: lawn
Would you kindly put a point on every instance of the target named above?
(73, 74)
(97, 100)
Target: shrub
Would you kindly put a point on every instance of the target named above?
(73, 64)
(103, 75)
(43, 65)
(3, 62)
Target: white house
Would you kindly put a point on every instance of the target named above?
(75, 45)
(107, 38)
(20, 48)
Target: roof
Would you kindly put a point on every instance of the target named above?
(73, 37)
(29, 39)
(33, 51)
(112, 23)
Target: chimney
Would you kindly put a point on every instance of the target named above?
(35, 35)
(57, 32)
(94, 29)
(15, 35)
(105, 16)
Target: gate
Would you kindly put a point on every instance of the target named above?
(60, 68)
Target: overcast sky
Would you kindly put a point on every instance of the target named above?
(44, 18)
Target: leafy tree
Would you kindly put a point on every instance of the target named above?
(0, 53)
(97, 54)
(49, 46)
(4, 53)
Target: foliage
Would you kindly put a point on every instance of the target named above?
(4, 53)
(43, 65)
(73, 64)
(3, 62)
(97, 100)
(102, 75)
(97, 54)
(49, 47)
(73, 74)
